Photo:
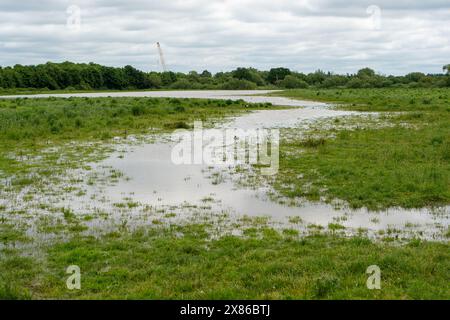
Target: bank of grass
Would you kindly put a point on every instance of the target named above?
(389, 99)
(31, 120)
(405, 163)
(157, 263)
(34, 91)
(28, 91)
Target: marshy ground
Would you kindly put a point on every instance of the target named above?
(377, 182)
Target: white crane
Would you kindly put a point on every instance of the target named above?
(161, 57)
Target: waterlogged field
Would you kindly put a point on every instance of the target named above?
(404, 162)
(88, 182)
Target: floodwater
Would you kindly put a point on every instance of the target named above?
(156, 181)
(153, 179)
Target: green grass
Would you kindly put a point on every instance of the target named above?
(28, 91)
(32, 120)
(404, 164)
(390, 99)
(158, 264)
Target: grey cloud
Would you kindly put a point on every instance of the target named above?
(222, 34)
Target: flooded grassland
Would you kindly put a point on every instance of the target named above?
(90, 181)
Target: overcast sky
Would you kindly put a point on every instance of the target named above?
(392, 37)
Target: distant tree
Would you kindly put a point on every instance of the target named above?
(154, 80)
(219, 75)
(182, 84)
(237, 84)
(114, 78)
(206, 74)
(94, 76)
(192, 76)
(415, 76)
(426, 82)
(292, 82)
(316, 77)
(365, 72)
(374, 82)
(299, 75)
(334, 81)
(168, 78)
(248, 74)
(44, 79)
(135, 78)
(242, 74)
(2, 84)
(277, 74)
(355, 83)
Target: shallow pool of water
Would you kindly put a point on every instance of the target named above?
(156, 181)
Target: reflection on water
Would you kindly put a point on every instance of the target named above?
(158, 182)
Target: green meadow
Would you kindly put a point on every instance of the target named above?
(402, 162)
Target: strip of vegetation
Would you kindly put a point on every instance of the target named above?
(405, 164)
(390, 99)
(158, 263)
(70, 76)
(30, 120)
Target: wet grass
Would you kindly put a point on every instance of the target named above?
(403, 164)
(182, 262)
(27, 126)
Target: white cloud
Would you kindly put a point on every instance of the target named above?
(222, 34)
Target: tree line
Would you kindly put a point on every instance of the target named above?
(81, 76)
